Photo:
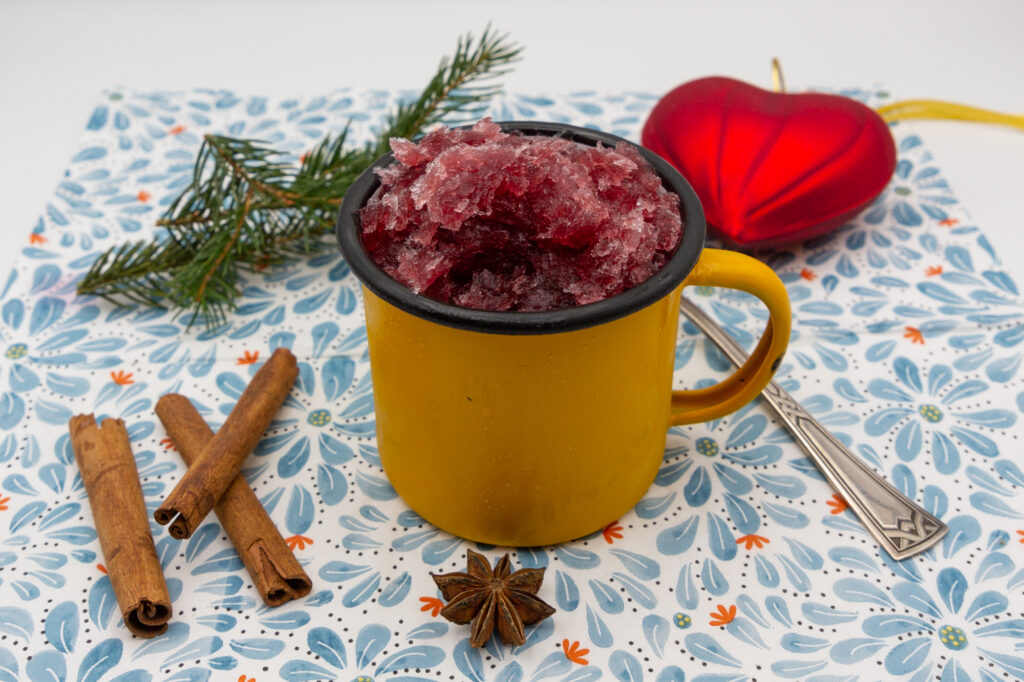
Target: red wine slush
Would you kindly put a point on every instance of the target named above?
(500, 221)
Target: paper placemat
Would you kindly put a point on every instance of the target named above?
(740, 563)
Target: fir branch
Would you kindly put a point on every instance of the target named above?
(248, 207)
(134, 271)
(463, 84)
(232, 239)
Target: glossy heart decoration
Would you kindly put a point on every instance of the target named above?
(772, 168)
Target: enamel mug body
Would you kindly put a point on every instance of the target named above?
(521, 429)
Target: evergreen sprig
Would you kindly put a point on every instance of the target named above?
(247, 207)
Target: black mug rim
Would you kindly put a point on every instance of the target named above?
(660, 284)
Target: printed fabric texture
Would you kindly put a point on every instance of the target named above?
(739, 564)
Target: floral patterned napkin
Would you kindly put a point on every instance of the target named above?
(740, 563)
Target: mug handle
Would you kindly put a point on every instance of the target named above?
(719, 268)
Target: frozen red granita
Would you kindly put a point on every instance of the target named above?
(502, 221)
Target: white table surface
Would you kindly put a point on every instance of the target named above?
(56, 57)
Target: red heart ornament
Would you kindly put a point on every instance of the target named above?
(772, 168)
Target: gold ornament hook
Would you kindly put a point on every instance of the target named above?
(938, 109)
(778, 82)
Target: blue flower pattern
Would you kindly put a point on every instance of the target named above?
(917, 191)
(929, 409)
(738, 564)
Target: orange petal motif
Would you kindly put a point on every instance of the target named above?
(122, 378)
(1020, 533)
(298, 542)
(933, 270)
(143, 196)
(101, 568)
(432, 604)
(808, 274)
(750, 541)
(573, 652)
(3, 503)
(723, 616)
(168, 444)
(914, 334)
(36, 239)
(250, 357)
(837, 503)
(949, 222)
(177, 130)
(612, 532)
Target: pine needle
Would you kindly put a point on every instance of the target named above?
(247, 207)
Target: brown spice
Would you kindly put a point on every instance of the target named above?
(221, 459)
(489, 598)
(104, 456)
(274, 569)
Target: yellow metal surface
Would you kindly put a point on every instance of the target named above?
(538, 439)
(732, 270)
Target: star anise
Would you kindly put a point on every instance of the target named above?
(490, 598)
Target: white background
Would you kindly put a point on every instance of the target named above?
(56, 57)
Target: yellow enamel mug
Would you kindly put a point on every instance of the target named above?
(532, 428)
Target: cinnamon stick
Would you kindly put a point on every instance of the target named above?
(222, 457)
(275, 571)
(104, 456)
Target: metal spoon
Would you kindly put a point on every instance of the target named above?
(898, 524)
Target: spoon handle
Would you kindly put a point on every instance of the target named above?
(900, 526)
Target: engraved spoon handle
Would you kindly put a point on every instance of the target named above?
(898, 524)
